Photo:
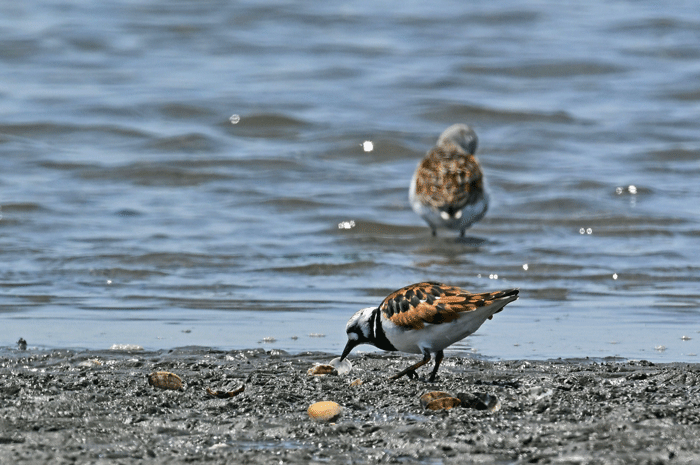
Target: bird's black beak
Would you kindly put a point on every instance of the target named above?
(348, 347)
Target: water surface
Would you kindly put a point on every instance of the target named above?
(135, 211)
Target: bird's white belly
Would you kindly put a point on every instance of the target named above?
(470, 213)
(432, 337)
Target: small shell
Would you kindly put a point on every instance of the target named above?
(90, 363)
(165, 380)
(357, 382)
(318, 370)
(325, 411)
(428, 397)
(126, 347)
(343, 367)
(225, 394)
(443, 403)
(480, 401)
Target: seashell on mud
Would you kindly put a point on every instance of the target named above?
(428, 397)
(357, 382)
(165, 380)
(320, 370)
(126, 347)
(343, 367)
(225, 394)
(325, 411)
(480, 401)
(443, 403)
(89, 363)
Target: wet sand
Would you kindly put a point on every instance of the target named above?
(97, 407)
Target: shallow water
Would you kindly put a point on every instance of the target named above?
(135, 211)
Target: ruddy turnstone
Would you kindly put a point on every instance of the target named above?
(447, 190)
(424, 318)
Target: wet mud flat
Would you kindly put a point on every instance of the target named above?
(67, 406)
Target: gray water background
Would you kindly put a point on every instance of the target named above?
(135, 212)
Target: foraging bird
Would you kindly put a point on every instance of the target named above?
(447, 189)
(424, 318)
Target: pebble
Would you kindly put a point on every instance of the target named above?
(325, 411)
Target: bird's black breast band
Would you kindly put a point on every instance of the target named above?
(378, 336)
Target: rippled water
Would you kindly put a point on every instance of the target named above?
(135, 211)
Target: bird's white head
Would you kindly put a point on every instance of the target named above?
(359, 330)
(460, 135)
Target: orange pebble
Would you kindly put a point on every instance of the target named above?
(324, 411)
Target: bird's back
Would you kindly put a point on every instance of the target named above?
(448, 178)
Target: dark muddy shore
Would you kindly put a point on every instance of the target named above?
(97, 407)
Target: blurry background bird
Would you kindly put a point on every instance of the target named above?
(447, 189)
